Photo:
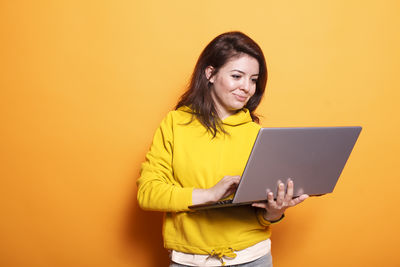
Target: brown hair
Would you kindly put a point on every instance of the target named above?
(218, 52)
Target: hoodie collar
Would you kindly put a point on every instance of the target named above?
(240, 117)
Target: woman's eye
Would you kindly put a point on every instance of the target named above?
(254, 80)
(235, 76)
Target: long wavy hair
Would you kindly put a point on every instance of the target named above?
(216, 54)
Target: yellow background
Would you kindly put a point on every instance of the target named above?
(84, 84)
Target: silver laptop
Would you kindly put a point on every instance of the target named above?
(313, 157)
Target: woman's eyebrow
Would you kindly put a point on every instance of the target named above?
(244, 72)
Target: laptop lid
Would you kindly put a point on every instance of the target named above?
(312, 157)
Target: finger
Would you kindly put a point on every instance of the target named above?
(225, 187)
(236, 179)
(259, 205)
(225, 193)
(298, 200)
(234, 183)
(304, 197)
(229, 180)
(270, 199)
(281, 194)
(289, 193)
(231, 186)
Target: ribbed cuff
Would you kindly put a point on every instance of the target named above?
(185, 199)
(263, 221)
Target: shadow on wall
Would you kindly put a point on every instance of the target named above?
(143, 236)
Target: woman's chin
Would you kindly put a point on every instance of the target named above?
(239, 105)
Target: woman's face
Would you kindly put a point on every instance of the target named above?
(233, 84)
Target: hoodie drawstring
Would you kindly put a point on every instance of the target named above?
(225, 252)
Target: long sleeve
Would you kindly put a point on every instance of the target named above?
(157, 188)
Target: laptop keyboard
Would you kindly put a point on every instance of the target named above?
(223, 202)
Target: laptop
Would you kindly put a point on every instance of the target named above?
(312, 157)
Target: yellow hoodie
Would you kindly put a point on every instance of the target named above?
(184, 156)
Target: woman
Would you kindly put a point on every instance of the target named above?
(198, 153)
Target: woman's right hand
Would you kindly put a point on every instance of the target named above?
(225, 187)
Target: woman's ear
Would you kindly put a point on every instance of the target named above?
(209, 73)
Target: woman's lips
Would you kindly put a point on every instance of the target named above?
(240, 98)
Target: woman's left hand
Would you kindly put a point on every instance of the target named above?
(274, 209)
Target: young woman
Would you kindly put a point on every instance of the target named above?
(198, 153)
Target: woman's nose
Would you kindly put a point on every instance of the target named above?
(245, 85)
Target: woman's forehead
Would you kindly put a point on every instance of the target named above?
(243, 63)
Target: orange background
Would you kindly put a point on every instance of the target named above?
(84, 84)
